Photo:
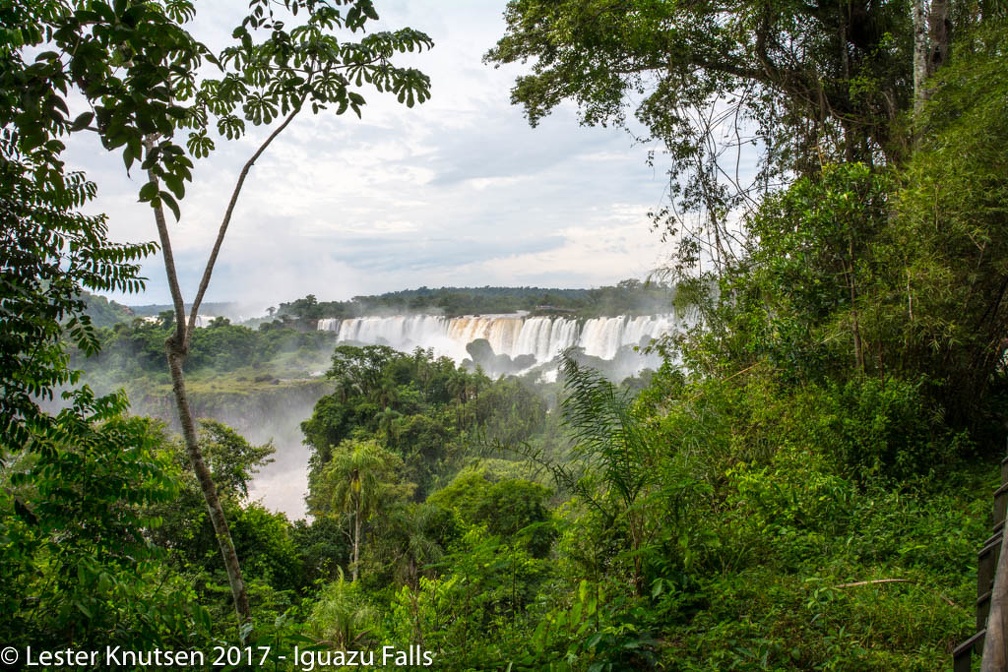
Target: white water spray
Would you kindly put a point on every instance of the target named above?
(513, 335)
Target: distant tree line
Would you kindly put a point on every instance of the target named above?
(628, 297)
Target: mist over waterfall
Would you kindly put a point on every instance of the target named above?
(526, 340)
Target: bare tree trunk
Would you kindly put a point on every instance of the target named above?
(932, 40)
(849, 271)
(177, 349)
(355, 562)
(920, 53)
(939, 30)
(220, 525)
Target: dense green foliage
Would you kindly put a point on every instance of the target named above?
(425, 410)
(77, 567)
(803, 485)
(741, 523)
(132, 349)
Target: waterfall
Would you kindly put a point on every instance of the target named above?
(513, 335)
(544, 337)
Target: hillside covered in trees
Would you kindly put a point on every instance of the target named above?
(802, 485)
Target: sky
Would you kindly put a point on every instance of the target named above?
(459, 191)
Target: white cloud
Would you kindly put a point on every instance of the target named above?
(609, 245)
(456, 191)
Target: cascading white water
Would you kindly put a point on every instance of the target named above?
(546, 337)
(512, 335)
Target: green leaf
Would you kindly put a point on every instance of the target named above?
(129, 157)
(176, 185)
(172, 204)
(148, 191)
(82, 121)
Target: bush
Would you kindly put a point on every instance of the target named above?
(883, 428)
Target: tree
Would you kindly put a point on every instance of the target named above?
(414, 540)
(303, 309)
(232, 460)
(807, 83)
(613, 467)
(343, 617)
(306, 66)
(513, 508)
(50, 252)
(146, 79)
(76, 565)
(798, 298)
(360, 479)
(950, 245)
(420, 407)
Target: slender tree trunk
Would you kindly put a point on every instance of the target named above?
(932, 39)
(855, 321)
(939, 36)
(356, 541)
(177, 347)
(222, 532)
(920, 54)
(636, 541)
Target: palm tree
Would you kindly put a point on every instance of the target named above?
(615, 450)
(420, 531)
(388, 426)
(359, 480)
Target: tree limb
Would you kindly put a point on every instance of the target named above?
(208, 271)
